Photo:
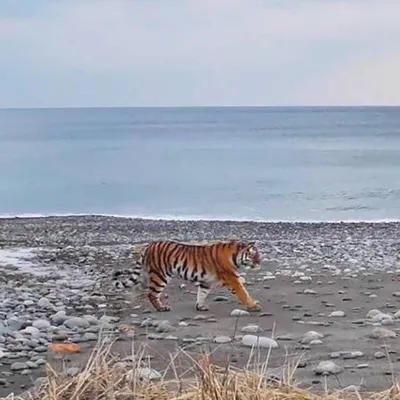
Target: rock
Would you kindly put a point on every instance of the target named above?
(107, 319)
(76, 322)
(221, 298)
(72, 371)
(91, 319)
(382, 333)
(310, 336)
(44, 303)
(337, 314)
(222, 339)
(251, 329)
(147, 374)
(361, 366)
(171, 337)
(376, 316)
(59, 317)
(41, 381)
(316, 341)
(89, 336)
(164, 326)
(309, 291)
(41, 324)
(387, 320)
(373, 313)
(239, 313)
(18, 366)
(31, 330)
(260, 341)
(31, 364)
(352, 388)
(327, 368)
(379, 354)
(352, 355)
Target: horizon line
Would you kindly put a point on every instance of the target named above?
(202, 106)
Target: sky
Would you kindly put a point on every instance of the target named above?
(88, 53)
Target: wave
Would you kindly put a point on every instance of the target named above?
(188, 218)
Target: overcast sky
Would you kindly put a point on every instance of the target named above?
(199, 52)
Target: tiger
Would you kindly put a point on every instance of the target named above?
(208, 265)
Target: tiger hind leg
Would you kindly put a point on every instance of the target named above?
(203, 291)
(157, 284)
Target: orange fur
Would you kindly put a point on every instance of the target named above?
(208, 265)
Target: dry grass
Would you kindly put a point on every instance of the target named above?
(106, 378)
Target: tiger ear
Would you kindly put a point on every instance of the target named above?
(251, 243)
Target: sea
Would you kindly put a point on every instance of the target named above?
(221, 163)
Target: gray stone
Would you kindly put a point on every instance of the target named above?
(44, 303)
(41, 381)
(164, 326)
(18, 366)
(41, 324)
(338, 313)
(31, 364)
(31, 330)
(239, 313)
(148, 374)
(72, 371)
(382, 333)
(76, 322)
(222, 339)
(352, 355)
(91, 319)
(59, 317)
(251, 329)
(89, 336)
(327, 368)
(310, 336)
(221, 298)
(258, 341)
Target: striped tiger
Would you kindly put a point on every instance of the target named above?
(208, 265)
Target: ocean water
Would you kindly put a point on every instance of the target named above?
(279, 164)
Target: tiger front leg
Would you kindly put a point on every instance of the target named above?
(237, 288)
(203, 291)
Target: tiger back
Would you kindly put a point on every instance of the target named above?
(207, 265)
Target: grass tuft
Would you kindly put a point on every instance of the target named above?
(105, 377)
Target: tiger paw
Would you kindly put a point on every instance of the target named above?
(164, 309)
(255, 307)
(202, 307)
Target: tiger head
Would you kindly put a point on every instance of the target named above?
(247, 255)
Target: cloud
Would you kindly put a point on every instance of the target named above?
(209, 51)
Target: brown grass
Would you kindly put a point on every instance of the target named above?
(106, 378)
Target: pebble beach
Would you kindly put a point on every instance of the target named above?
(329, 291)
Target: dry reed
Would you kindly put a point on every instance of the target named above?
(106, 378)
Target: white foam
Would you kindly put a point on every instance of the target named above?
(188, 218)
(17, 257)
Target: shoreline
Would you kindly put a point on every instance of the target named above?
(35, 216)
